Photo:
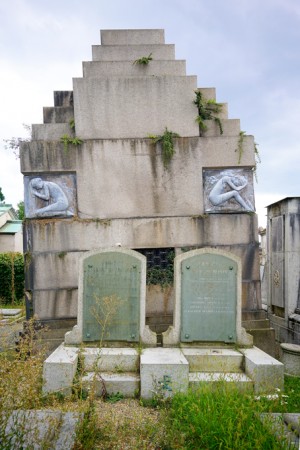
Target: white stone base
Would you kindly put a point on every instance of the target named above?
(163, 371)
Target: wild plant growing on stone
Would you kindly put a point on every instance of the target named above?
(69, 140)
(207, 110)
(167, 145)
(144, 60)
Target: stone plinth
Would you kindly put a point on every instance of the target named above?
(59, 370)
(291, 359)
(266, 372)
(163, 371)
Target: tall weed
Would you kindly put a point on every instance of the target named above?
(222, 418)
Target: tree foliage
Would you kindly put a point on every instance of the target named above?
(20, 210)
(2, 197)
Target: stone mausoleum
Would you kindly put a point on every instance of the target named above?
(97, 175)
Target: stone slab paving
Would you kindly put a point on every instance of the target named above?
(10, 312)
(287, 424)
(49, 429)
(9, 332)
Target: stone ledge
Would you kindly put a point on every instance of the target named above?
(266, 372)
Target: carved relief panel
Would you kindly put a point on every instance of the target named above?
(228, 190)
(50, 195)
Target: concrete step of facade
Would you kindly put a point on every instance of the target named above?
(127, 383)
(132, 52)
(231, 127)
(111, 359)
(214, 360)
(200, 379)
(50, 131)
(58, 114)
(129, 37)
(252, 324)
(97, 69)
(173, 94)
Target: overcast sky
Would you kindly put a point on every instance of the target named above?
(249, 50)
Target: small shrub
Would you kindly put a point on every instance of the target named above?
(11, 277)
(207, 110)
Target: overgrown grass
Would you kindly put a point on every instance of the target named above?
(222, 418)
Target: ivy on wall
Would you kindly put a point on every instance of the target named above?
(11, 277)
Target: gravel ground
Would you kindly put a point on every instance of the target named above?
(127, 425)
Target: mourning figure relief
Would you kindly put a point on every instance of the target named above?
(49, 198)
(228, 190)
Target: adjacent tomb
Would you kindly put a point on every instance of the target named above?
(283, 268)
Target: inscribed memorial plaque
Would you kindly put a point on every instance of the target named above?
(111, 297)
(208, 298)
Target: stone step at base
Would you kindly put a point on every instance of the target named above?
(127, 383)
(254, 315)
(213, 359)
(54, 333)
(111, 359)
(264, 339)
(200, 379)
(258, 323)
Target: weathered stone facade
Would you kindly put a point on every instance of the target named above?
(113, 188)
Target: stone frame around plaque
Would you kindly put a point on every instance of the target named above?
(228, 190)
(171, 337)
(50, 195)
(146, 336)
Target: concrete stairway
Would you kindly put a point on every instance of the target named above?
(161, 370)
(112, 370)
(258, 325)
(216, 365)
